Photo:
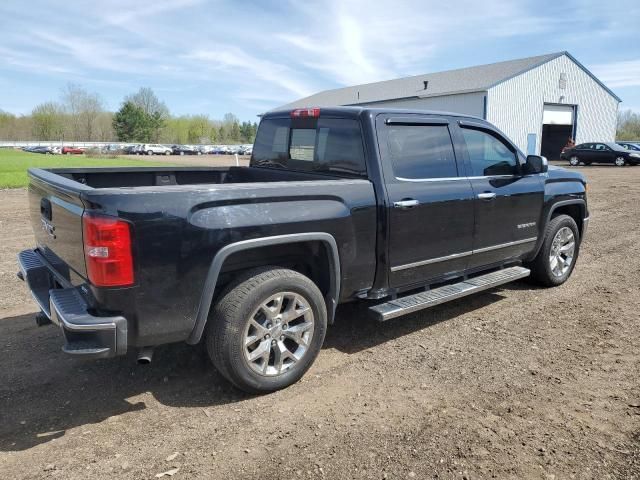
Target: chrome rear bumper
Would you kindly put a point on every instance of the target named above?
(85, 334)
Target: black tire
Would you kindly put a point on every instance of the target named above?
(232, 312)
(541, 272)
(574, 160)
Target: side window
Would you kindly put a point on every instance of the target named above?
(488, 154)
(421, 151)
(601, 147)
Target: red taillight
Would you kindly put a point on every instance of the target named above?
(107, 251)
(305, 112)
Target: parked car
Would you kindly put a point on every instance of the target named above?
(43, 149)
(254, 260)
(184, 150)
(72, 151)
(635, 147)
(603, 152)
(217, 150)
(155, 149)
(245, 149)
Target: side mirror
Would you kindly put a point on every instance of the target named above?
(536, 164)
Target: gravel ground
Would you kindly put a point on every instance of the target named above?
(516, 383)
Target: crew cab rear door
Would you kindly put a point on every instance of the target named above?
(508, 204)
(430, 201)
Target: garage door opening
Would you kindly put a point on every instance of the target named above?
(558, 125)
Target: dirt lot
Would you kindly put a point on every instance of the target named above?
(515, 383)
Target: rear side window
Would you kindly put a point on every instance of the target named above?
(421, 151)
(326, 145)
(488, 154)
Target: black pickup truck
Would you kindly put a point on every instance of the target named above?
(401, 209)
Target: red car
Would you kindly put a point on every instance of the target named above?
(72, 151)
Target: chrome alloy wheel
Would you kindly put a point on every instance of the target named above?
(278, 333)
(620, 162)
(574, 161)
(562, 251)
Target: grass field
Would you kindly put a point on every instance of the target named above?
(14, 164)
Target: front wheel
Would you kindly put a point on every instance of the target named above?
(266, 329)
(574, 161)
(620, 162)
(557, 256)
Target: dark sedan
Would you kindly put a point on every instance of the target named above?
(604, 152)
(185, 150)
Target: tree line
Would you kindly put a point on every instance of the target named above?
(80, 115)
(628, 127)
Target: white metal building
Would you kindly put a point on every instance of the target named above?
(539, 102)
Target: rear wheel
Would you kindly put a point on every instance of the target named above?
(149, 152)
(266, 329)
(620, 162)
(574, 161)
(557, 256)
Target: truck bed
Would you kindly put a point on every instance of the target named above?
(167, 176)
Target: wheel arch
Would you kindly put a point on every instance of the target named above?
(331, 262)
(575, 208)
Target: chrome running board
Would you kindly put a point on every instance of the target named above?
(419, 301)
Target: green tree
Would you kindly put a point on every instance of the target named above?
(234, 134)
(199, 128)
(47, 121)
(628, 126)
(132, 124)
(156, 111)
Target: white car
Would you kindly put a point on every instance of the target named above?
(155, 149)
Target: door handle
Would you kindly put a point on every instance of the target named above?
(407, 203)
(487, 196)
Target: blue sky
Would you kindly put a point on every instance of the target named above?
(216, 56)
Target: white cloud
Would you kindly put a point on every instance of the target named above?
(251, 69)
(143, 10)
(619, 74)
(258, 55)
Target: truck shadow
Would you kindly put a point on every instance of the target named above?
(44, 393)
(354, 330)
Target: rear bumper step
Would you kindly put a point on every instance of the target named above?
(419, 301)
(85, 334)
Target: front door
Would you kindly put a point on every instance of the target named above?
(603, 153)
(507, 203)
(430, 203)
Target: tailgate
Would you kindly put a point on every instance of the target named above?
(56, 218)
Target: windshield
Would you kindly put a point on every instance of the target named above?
(328, 145)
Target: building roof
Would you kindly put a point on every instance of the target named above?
(462, 80)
